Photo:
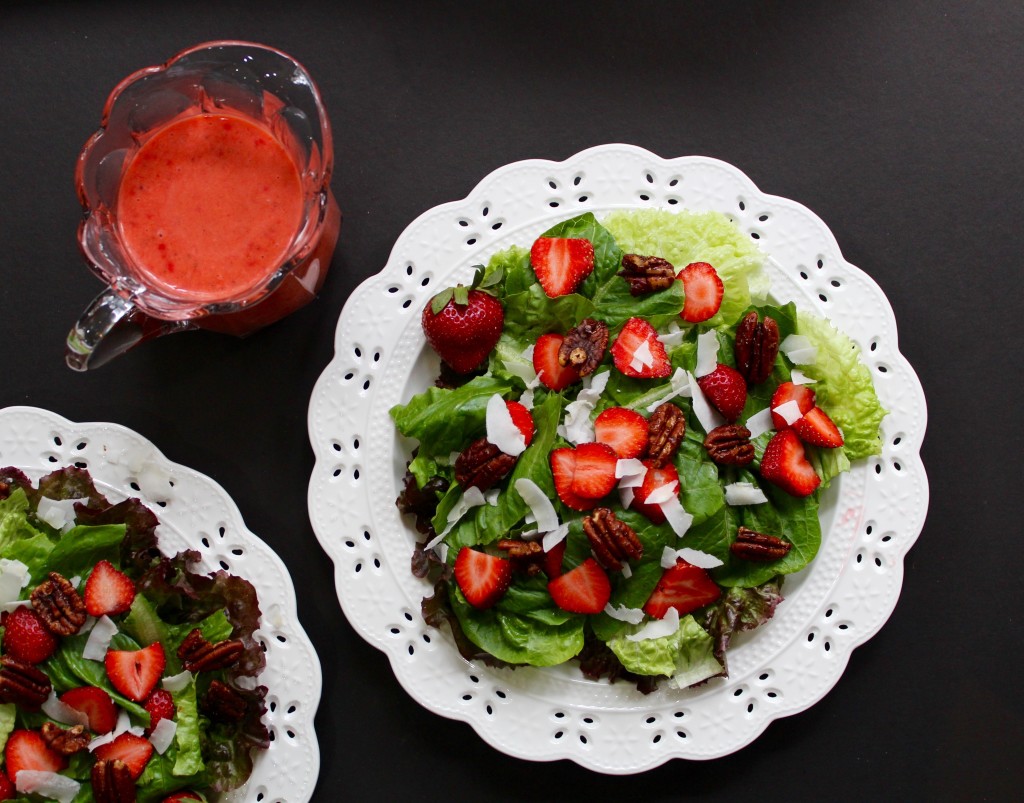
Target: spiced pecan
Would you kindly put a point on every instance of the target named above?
(66, 741)
(223, 703)
(752, 545)
(756, 347)
(112, 782)
(584, 346)
(665, 430)
(59, 605)
(613, 541)
(199, 655)
(729, 445)
(22, 683)
(482, 464)
(526, 556)
(646, 274)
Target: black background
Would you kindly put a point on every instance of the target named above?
(899, 123)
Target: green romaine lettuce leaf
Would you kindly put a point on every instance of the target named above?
(687, 656)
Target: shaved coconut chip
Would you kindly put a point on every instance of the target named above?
(471, 497)
(62, 712)
(760, 422)
(58, 513)
(799, 349)
(642, 357)
(744, 493)
(543, 512)
(629, 467)
(577, 427)
(13, 605)
(527, 398)
(673, 336)
(14, 576)
(441, 550)
(491, 497)
(626, 571)
(657, 628)
(678, 519)
(707, 353)
(177, 682)
(707, 415)
(99, 639)
(662, 493)
(50, 785)
(632, 615)
(124, 725)
(803, 356)
(694, 557)
(90, 623)
(800, 378)
(626, 496)
(679, 385)
(555, 537)
(163, 735)
(501, 429)
(790, 411)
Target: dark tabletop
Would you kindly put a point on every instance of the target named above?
(898, 123)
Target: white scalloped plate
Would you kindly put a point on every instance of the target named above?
(870, 518)
(196, 513)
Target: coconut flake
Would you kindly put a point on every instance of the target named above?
(491, 497)
(50, 785)
(760, 422)
(626, 571)
(694, 557)
(626, 496)
(14, 576)
(626, 467)
(707, 415)
(501, 429)
(673, 335)
(679, 385)
(662, 493)
(642, 357)
(790, 411)
(707, 353)
(555, 537)
(657, 628)
(177, 682)
(633, 616)
(744, 493)
(163, 735)
(471, 497)
(58, 513)
(577, 427)
(543, 512)
(99, 639)
(798, 377)
(676, 516)
(62, 712)
(799, 349)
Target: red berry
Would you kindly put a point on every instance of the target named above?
(684, 587)
(786, 392)
(585, 589)
(463, 334)
(622, 429)
(636, 339)
(27, 750)
(181, 797)
(726, 389)
(483, 578)
(785, 464)
(818, 429)
(135, 673)
(27, 637)
(563, 469)
(594, 473)
(7, 790)
(134, 751)
(553, 375)
(160, 705)
(522, 419)
(703, 289)
(561, 263)
(654, 479)
(553, 560)
(108, 591)
(96, 704)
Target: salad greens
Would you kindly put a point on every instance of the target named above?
(206, 755)
(526, 626)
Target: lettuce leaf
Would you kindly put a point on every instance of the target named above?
(686, 656)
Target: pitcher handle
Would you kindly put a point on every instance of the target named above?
(110, 326)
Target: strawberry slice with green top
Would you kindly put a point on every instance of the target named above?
(585, 589)
(135, 673)
(726, 389)
(623, 429)
(561, 263)
(134, 751)
(108, 591)
(703, 289)
(785, 464)
(96, 704)
(638, 353)
(818, 429)
(684, 587)
(553, 375)
(483, 578)
(27, 750)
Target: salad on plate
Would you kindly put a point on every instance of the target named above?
(624, 451)
(124, 674)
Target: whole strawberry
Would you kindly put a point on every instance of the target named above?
(463, 324)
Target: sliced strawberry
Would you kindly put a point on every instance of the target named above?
(622, 429)
(726, 389)
(561, 263)
(594, 473)
(7, 789)
(483, 578)
(133, 750)
(553, 375)
(181, 797)
(135, 673)
(785, 464)
(521, 418)
(96, 704)
(563, 469)
(160, 705)
(703, 289)
(818, 429)
(684, 587)
(638, 353)
(654, 479)
(27, 750)
(553, 560)
(26, 636)
(786, 392)
(108, 591)
(585, 589)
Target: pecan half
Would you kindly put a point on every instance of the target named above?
(584, 346)
(112, 782)
(22, 683)
(65, 741)
(752, 545)
(646, 274)
(59, 605)
(729, 445)
(757, 345)
(612, 541)
(223, 703)
(482, 464)
(199, 655)
(665, 430)
(526, 556)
